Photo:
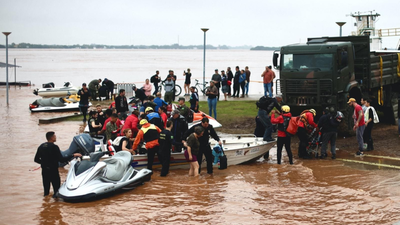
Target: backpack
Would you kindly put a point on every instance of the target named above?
(190, 116)
(265, 103)
(292, 126)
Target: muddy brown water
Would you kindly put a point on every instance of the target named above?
(308, 192)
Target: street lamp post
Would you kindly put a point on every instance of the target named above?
(204, 58)
(340, 25)
(7, 33)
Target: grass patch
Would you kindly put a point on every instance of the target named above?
(235, 116)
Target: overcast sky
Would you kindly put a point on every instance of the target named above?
(159, 22)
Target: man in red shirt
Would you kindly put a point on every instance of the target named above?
(268, 76)
(359, 124)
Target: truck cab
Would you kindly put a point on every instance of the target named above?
(327, 71)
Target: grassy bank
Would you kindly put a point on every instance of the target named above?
(235, 116)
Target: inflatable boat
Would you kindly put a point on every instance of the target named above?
(50, 90)
(69, 103)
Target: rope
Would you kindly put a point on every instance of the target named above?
(380, 91)
(370, 163)
(398, 64)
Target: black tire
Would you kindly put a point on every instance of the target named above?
(178, 90)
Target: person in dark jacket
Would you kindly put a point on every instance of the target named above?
(283, 138)
(84, 94)
(265, 118)
(48, 155)
(230, 78)
(179, 128)
(236, 84)
(155, 79)
(165, 142)
(139, 93)
(328, 124)
(205, 148)
(121, 105)
(110, 88)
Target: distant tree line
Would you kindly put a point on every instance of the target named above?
(262, 48)
(100, 46)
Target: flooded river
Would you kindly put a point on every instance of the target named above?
(308, 192)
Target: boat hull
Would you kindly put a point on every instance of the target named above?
(57, 92)
(68, 107)
(237, 150)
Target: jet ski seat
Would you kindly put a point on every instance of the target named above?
(117, 164)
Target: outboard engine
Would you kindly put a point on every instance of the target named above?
(81, 143)
(48, 85)
(66, 84)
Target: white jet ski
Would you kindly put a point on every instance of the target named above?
(91, 179)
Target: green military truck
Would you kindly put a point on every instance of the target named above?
(327, 71)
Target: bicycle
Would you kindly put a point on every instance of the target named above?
(178, 89)
(200, 85)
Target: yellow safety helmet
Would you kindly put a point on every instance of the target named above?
(149, 109)
(285, 108)
(143, 121)
(313, 112)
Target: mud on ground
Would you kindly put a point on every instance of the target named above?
(386, 137)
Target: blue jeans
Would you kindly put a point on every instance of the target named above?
(266, 121)
(212, 105)
(246, 88)
(360, 140)
(267, 88)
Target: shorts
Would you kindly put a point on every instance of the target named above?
(194, 158)
(225, 89)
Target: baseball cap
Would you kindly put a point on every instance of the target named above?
(351, 100)
(181, 98)
(175, 112)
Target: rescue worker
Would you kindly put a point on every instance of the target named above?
(150, 134)
(154, 118)
(180, 126)
(283, 139)
(305, 124)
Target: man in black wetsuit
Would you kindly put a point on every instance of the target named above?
(48, 155)
(205, 144)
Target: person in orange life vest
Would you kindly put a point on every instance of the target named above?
(283, 138)
(150, 134)
(302, 133)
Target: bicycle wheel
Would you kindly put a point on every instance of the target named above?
(195, 90)
(178, 90)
